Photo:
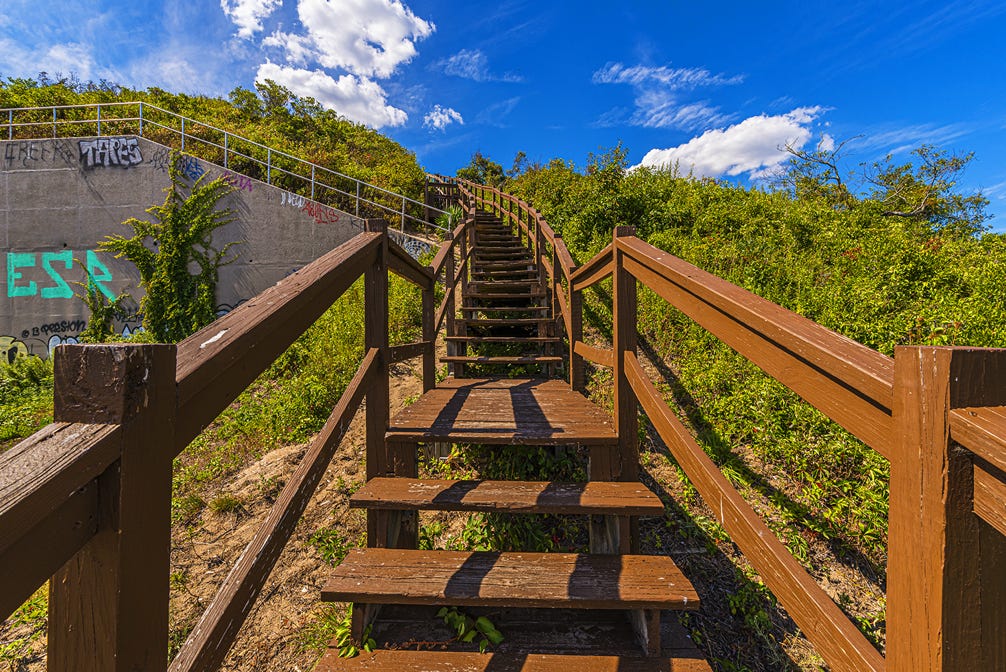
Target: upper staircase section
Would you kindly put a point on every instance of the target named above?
(233, 152)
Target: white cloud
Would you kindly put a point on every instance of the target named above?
(441, 117)
(827, 143)
(368, 38)
(753, 146)
(247, 15)
(357, 98)
(473, 64)
(674, 78)
(658, 96)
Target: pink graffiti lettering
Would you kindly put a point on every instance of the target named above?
(239, 182)
(322, 213)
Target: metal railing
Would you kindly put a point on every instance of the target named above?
(233, 152)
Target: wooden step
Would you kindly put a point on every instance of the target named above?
(527, 273)
(392, 660)
(504, 309)
(504, 322)
(594, 497)
(478, 359)
(504, 296)
(502, 265)
(530, 340)
(487, 579)
(504, 284)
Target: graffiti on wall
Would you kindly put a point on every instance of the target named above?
(322, 214)
(160, 159)
(44, 274)
(293, 200)
(416, 247)
(11, 348)
(239, 182)
(190, 167)
(38, 153)
(110, 153)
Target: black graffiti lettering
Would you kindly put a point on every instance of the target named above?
(110, 152)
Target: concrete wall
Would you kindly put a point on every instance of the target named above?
(59, 198)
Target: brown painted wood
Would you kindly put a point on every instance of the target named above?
(502, 359)
(444, 661)
(504, 411)
(596, 355)
(217, 363)
(582, 280)
(839, 401)
(599, 261)
(38, 474)
(400, 353)
(569, 580)
(504, 309)
(430, 338)
(863, 369)
(375, 328)
(29, 560)
(576, 370)
(982, 431)
(508, 496)
(108, 606)
(626, 465)
(990, 497)
(208, 643)
(530, 340)
(503, 321)
(935, 541)
(838, 641)
(401, 263)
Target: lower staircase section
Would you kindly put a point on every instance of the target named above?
(596, 610)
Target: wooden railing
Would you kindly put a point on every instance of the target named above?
(937, 414)
(85, 502)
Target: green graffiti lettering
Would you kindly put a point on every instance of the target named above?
(16, 260)
(99, 274)
(60, 290)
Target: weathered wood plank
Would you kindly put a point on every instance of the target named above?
(860, 367)
(502, 411)
(601, 356)
(402, 264)
(392, 660)
(217, 363)
(982, 431)
(833, 635)
(508, 496)
(838, 399)
(400, 353)
(990, 497)
(585, 276)
(569, 580)
(212, 637)
(37, 474)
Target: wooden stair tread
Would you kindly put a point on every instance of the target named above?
(503, 321)
(505, 339)
(502, 359)
(485, 578)
(524, 411)
(395, 660)
(505, 309)
(594, 497)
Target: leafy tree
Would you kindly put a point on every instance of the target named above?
(177, 302)
(483, 170)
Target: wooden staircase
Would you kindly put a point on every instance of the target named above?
(559, 611)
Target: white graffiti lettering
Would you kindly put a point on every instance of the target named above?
(110, 153)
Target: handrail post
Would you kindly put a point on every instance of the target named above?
(624, 462)
(268, 165)
(945, 580)
(376, 336)
(226, 148)
(576, 376)
(357, 198)
(108, 606)
(141, 119)
(403, 214)
(10, 124)
(54, 122)
(430, 336)
(99, 120)
(449, 324)
(183, 134)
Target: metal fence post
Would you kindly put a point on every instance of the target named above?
(183, 134)
(141, 119)
(54, 121)
(268, 166)
(226, 147)
(357, 198)
(312, 181)
(10, 124)
(99, 120)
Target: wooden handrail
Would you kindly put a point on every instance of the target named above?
(598, 268)
(216, 363)
(820, 619)
(982, 431)
(849, 382)
(597, 355)
(403, 265)
(217, 629)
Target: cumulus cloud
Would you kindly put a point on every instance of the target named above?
(659, 96)
(368, 38)
(472, 64)
(358, 98)
(753, 146)
(247, 15)
(441, 117)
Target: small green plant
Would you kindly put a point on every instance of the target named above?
(330, 544)
(225, 503)
(177, 303)
(468, 628)
(348, 647)
(103, 310)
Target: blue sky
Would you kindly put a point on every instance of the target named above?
(716, 87)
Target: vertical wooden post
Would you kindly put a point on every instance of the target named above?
(377, 408)
(626, 414)
(430, 336)
(452, 348)
(108, 606)
(936, 588)
(576, 376)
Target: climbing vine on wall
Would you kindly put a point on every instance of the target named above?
(166, 251)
